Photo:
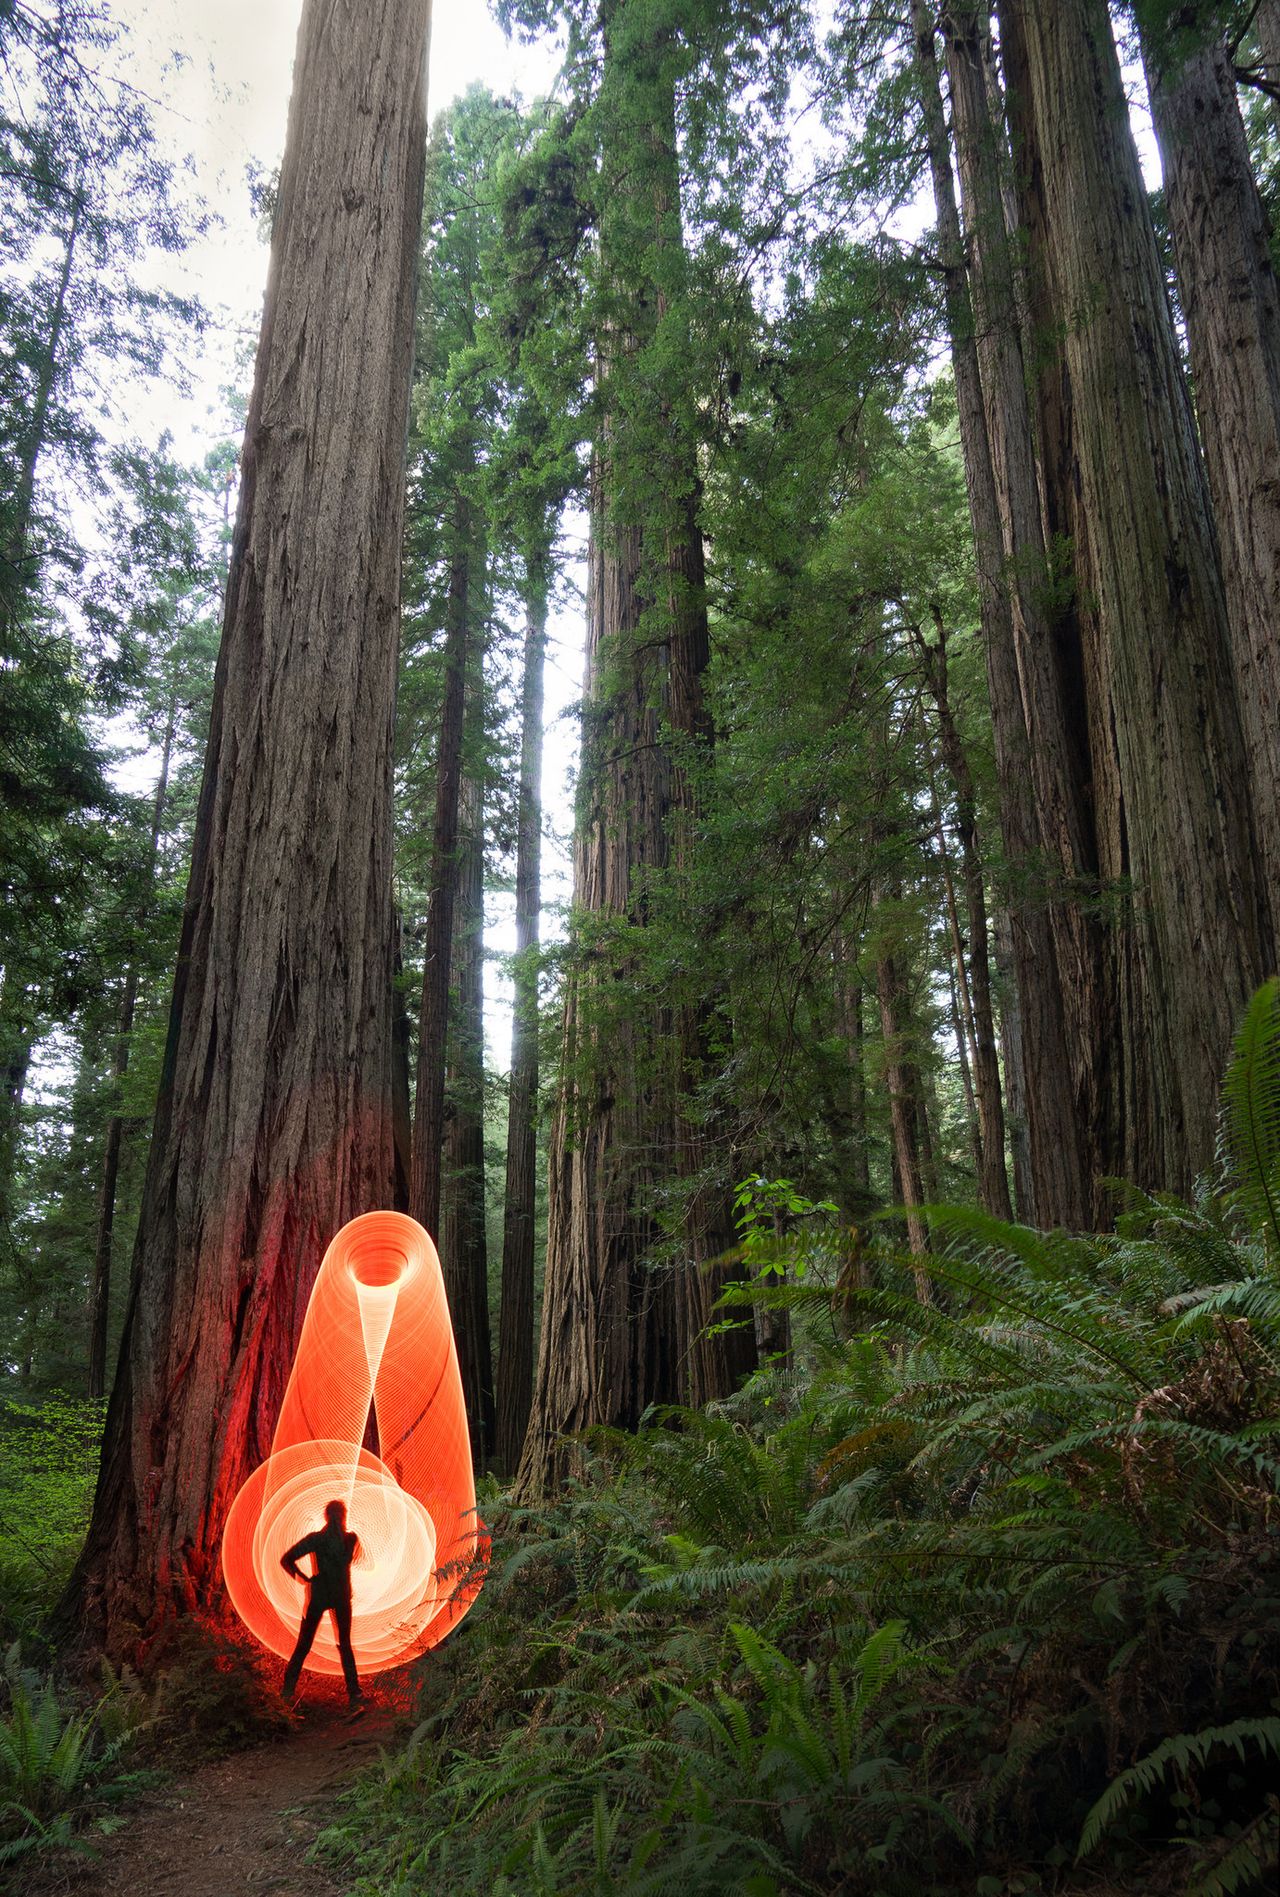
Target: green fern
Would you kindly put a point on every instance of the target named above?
(1251, 1116)
(1181, 1754)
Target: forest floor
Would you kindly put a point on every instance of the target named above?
(242, 1823)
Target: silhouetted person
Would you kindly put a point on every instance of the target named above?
(334, 1548)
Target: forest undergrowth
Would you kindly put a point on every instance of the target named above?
(980, 1595)
(986, 1598)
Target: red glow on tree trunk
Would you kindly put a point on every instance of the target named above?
(377, 1340)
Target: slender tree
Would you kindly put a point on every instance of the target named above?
(515, 1342)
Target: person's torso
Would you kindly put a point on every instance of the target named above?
(333, 1551)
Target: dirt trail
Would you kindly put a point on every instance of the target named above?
(241, 1824)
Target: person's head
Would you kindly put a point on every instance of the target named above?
(335, 1514)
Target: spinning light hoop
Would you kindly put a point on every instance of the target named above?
(376, 1338)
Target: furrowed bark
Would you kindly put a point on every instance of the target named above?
(274, 1123)
(1232, 308)
(1182, 822)
(1059, 1165)
(627, 1295)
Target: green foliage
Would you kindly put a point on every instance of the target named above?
(55, 1763)
(994, 1588)
(1252, 1116)
(48, 1465)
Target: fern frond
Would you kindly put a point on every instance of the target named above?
(1181, 1753)
(1251, 1115)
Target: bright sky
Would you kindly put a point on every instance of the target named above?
(224, 101)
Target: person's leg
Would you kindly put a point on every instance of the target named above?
(342, 1621)
(306, 1634)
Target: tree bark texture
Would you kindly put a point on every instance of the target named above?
(463, 1250)
(515, 1337)
(274, 1123)
(1232, 307)
(1151, 566)
(617, 1333)
(433, 1022)
(1059, 1165)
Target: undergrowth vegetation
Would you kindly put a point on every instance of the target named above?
(48, 1465)
(983, 1596)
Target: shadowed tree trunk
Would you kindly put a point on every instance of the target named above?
(606, 1319)
(1024, 726)
(274, 1123)
(1047, 635)
(1149, 567)
(975, 977)
(1232, 309)
(627, 1294)
(100, 1290)
(463, 1248)
(905, 1104)
(433, 1026)
(515, 1339)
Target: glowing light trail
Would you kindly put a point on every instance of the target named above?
(377, 1338)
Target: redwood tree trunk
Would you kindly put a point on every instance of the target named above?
(625, 1301)
(1151, 569)
(1232, 309)
(1023, 720)
(463, 1249)
(274, 1124)
(515, 1338)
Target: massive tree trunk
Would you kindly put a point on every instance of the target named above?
(1150, 569)
(1064, 758)
(515, 1337)
(1056, 1130)
(627, 1292)
(100, 1290)
(463, 1249)
(1232, 309)
(274, 1124)
(433, 1021)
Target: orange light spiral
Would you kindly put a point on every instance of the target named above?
(377, 1337)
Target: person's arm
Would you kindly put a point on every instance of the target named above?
(289, 1559)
